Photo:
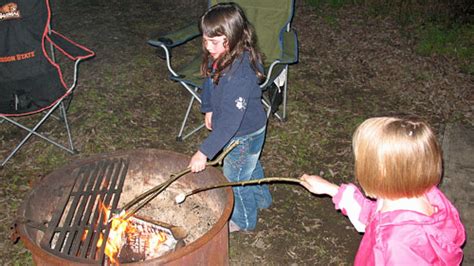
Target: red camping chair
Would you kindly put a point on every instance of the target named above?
(31, 79)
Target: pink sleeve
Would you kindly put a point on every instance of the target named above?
(352, 203)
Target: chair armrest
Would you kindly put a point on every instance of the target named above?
(72, 50)
(176, 38)
(289, 47)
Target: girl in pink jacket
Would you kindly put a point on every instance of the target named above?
(410, 221)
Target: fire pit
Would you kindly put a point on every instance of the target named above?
(61, 222)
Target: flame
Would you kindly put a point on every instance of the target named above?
(84, 235)
(155, 241)
(117, 232)
(120, 230)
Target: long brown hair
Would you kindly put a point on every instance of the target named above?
(229, 20)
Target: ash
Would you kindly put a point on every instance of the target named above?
(196, 214)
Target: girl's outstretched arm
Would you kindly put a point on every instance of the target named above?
(318, 185)
(346, 198)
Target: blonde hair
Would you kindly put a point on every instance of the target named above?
(396, 157)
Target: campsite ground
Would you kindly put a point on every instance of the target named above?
(352, 66)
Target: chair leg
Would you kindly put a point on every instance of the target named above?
(281, 82)
(268, 106)
(278, 116)
(183, 124)
(62, 109)
(268, 102)
(33, 132)
(285, 92)
(194, 97)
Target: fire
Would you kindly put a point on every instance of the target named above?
(155, 241)
(84, 235)
(121, 230)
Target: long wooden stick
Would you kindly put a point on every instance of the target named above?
(181, 197)
(141, 200)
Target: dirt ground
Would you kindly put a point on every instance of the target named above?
(352, 65)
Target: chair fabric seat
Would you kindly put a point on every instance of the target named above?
(190, 73)
(30, 94)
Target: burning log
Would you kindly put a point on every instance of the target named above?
(142, 239)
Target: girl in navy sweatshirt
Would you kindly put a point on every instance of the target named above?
(231, 102)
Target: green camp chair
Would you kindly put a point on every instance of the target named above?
(276, 39)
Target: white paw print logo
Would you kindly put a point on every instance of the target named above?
(240, 103)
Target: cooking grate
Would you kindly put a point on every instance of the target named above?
(79, 219)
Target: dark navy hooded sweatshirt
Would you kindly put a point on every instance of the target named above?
(235, 103)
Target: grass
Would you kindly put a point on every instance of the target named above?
(436, 35)
(456, 41)
(332, 3)
(23, 258)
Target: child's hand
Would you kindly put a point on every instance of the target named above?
(318, 185)
(208, 120)
(198, 162)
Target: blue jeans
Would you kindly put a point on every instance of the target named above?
(242, 164)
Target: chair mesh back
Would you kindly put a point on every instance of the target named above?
(28, 80)
(270, 18)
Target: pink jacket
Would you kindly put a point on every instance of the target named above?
(403, 237)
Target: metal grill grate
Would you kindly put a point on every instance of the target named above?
(79, 220)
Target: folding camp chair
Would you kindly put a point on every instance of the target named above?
(276, 40)
(31, 80)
